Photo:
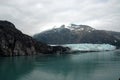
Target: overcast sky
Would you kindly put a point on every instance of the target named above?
(34, 16)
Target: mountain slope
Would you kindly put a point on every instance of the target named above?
(14, 43)
(116, 34)
(77, 34)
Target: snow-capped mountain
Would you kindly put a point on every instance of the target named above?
(78, 34)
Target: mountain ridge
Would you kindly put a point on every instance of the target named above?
(77, 34)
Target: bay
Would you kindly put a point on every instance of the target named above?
(80, 66)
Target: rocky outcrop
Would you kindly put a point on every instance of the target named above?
(77, 34)
(14, 43)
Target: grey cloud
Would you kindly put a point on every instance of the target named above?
(33, 16)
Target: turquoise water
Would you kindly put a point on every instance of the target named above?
(80, 66)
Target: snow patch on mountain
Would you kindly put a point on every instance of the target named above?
(80, 28)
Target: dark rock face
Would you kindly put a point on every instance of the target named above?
(77, 34)
(14, 43)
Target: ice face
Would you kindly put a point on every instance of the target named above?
(90, 47)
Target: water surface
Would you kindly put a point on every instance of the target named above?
(80, 66)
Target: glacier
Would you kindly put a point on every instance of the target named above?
(90, 47)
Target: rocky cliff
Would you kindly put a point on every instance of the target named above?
(14, 43)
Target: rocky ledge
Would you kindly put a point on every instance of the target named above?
(14, 43)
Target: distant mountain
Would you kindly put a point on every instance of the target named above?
(116, 34)
(78, 34)
(14, 43)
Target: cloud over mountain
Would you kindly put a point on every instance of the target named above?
(32, 16)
